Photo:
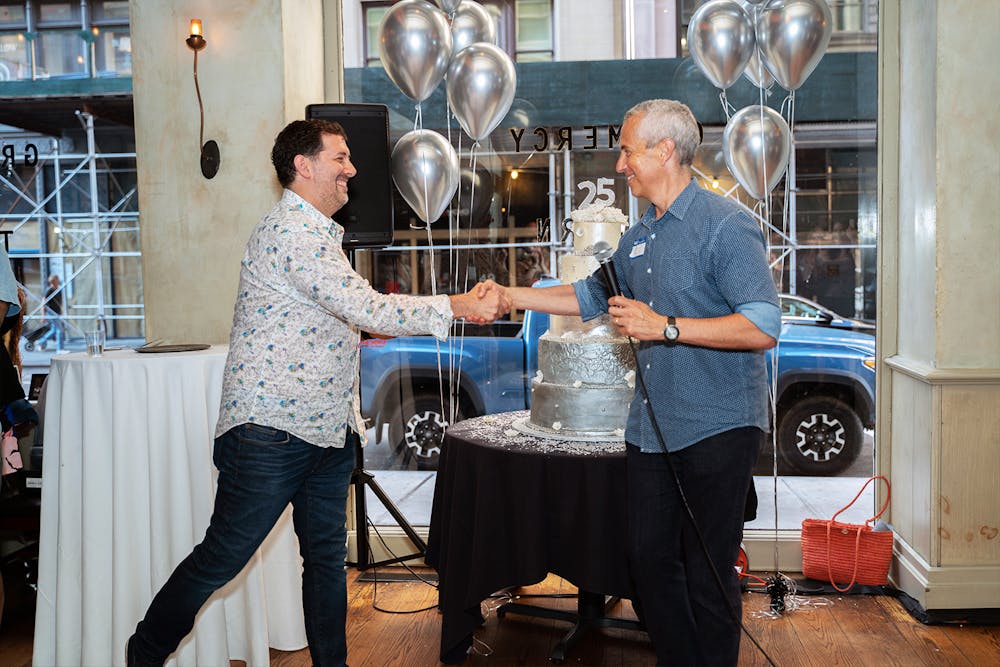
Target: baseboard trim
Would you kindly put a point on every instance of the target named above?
(944, 588)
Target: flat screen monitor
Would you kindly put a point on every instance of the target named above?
(367, 218)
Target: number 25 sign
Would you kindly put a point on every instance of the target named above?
(600, 193)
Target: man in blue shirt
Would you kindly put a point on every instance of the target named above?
(701, 303)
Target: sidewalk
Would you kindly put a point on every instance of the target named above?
(798, 498)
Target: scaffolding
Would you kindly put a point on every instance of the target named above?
(73, 214)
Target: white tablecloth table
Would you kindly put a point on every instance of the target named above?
(127, 491)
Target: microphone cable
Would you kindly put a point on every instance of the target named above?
(687, 508)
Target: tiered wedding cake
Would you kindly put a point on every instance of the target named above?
(586, 372)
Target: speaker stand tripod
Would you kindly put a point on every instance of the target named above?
(362, 479)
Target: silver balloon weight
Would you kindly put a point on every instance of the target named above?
(756, 144)
(471, 24)
(414, 43)
(792, 36)
(481, 86)
(721, 40)
(425, 171)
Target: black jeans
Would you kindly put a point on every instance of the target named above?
(678, 597)
(261, 470)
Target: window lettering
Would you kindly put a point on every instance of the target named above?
(562, 138)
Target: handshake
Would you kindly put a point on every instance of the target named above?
(482, 304)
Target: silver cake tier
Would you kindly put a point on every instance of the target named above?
(596, 360)
(586, 410)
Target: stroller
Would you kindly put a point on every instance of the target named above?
(38, 337)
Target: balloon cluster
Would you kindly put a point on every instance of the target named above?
(765, 41)
(420, 45)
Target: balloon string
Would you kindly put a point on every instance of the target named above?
(418, 119)
(456, 223)
(785, 212)
(452, 218)
(473, 156)
(473, 159)
(727, 108)
(785, 104)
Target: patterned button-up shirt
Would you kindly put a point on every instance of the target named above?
(704, 257)
(294, 347)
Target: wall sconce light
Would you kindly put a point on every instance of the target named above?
(209, 149)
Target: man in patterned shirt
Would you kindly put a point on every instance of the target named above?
(702, 305)
(290, 397)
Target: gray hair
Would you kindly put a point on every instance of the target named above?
(667, 119)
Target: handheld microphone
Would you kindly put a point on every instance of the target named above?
(603, 252)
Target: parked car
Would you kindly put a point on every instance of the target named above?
(800, 310)
(825, 388)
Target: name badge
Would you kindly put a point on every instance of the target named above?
(638, 248)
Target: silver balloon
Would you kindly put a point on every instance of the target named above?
(481, 86)
(756, 144)
(756, 73)
(414, 42)
(471, 24)
(450, 6)
(792, 36)
(720, 38)
(425, 171)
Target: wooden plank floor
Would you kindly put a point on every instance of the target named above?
(853, 630)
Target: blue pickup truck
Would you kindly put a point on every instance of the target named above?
(825, 388)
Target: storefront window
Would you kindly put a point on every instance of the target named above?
(45, 39)
(534, 30)
(14, 57)
(60, 53)
(559, 144)
(112, 52)
(373, 17)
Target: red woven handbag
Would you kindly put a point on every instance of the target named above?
(839, 552)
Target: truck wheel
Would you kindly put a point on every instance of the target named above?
(820, 436)
(423, 431)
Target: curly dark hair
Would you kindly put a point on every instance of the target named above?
(300, 137)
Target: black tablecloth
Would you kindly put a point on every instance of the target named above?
(509, 508)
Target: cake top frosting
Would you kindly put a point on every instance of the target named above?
(599, 212)
(594, 223)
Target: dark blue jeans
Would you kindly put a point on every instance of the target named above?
(676, 593)
(261, 470)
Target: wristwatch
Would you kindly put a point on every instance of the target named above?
(670, 332)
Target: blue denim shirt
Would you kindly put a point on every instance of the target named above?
(705, 257)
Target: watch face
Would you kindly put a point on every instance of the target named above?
(671, 332)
